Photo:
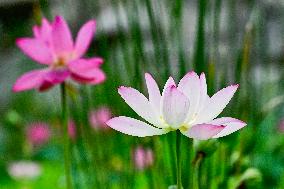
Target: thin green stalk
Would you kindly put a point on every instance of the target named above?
(178, 159)
(196, 173)
(67, 161)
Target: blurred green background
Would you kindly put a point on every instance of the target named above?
(232, 41)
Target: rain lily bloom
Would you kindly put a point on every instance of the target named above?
(38, 133)
(99, 117)
(185, 107)
(143, 158)
(53, 46)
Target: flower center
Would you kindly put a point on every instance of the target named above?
(60, 63)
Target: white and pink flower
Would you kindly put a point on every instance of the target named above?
(185, 107)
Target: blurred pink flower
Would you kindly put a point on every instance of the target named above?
(99, 117)
(52, 45)
(143, 158)
(71, 129)
(281, 126)
(185, 106)
(38, 133)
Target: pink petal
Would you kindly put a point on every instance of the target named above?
(45, 86)
(203, 131)
(134, 127)
(53, 77)
(154, 93)
(61, 37)
(45, 32)
(35, 49)
(100, 77)
(30, 80)
(84, 68)
(84, 38)
(175, 106)
(216, 104)
(231, 125)
(36, 31)
(139, 103)
(56, 76)
(190, 86)
(170, 82)
(87, 70)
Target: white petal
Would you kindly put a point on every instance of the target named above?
(154, 93)
(175, 106)
(139, 103)
(216, 104)
(190, 86)
(203, 131)
(203, 92)
(134, 127)
(231, 125)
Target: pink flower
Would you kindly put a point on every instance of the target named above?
(143, 158)
(38, 133)
(99, 117)
(71, 129)
(281, 126)
(185, 107)
(52, 45)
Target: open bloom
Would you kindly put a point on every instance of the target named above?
(52, 45)
(185, 107)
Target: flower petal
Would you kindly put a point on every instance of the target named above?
(134, 127)
(169, 83)
(30, 80)
(61, 37)
(154, 93)
(36, 31)
(36, 49)
(231, 125)
(139, 103)
(175, 106)
(84, 67)
(45, 30)
(87, 70)
(203, 92)
(203, 131)
(56, 76)
(215, 105)
(84, 38)
(190, 86)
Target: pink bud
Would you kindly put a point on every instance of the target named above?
(97, 118)
(38, 133)
(281, 126)
(143, 158)
(71, 129)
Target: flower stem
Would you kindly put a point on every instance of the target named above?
(196, 177)
(67, 161)
(178, 161)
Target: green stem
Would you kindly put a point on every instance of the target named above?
(178, 162)
(196, 178)
(67, 161)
